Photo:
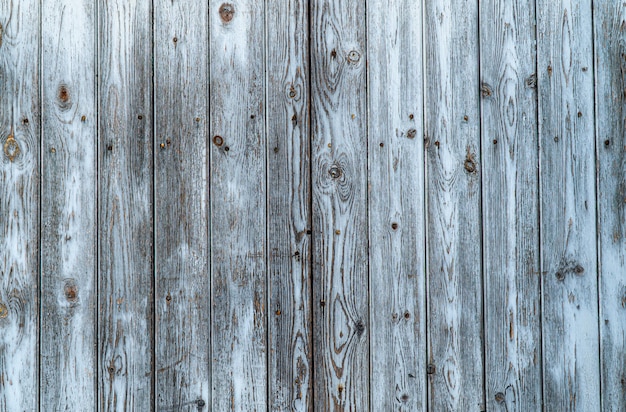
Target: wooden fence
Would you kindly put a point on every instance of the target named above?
(313, 205)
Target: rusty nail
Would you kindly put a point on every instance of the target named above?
(197, 119)
(340, 387)
(550, 70)
(322, 303)
(437, 143)
(411, 116)
(607, 142)
(337, 232)
(162, 145)
(278, 312)
(53, 150)
(394, 226)
(580, 114)
(381, 144)
(109, 148)
(83, 118)
(308, 232)
(226, 148)
(407, 315)
(495, 141)
(466, 118)
(25, 121)
(140, 117)
(430, 369)
(175, 39)
(411, 133)
(218, 140)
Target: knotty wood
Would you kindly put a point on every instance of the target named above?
(68, 206)
(396, 206)
(455, 328)
(238, 205)
(288, 215)
(510, 207)
(610, 59)
(181, 194)
(340, 233)
(19, 204)
(125, 327)
(568, 206)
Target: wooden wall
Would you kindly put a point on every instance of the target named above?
(312, 205)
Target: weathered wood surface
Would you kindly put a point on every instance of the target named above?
(510, 206)
(182, 298)
(288, 210)
(19, 204)
(238, 206)
(125, 280)
(610, 68)
(312, 205)
(571, 372)
(396, 206)
(68, 206)
(453, 192)
(339, 166)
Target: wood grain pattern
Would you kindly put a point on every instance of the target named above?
(68, 206)
(238, 206)
(181, 199)
(568, 206)
(510, 207)
(610, 69)
(455, 329)
(396, 206)
(125, 327)
(19, 204)
(340, 233)
(288, 210)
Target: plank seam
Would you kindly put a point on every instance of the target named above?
(154, 215)
(311, 210)
(597, 185)
(268, 386)
(40, 242)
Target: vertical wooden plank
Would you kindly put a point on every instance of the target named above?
(339, 178)
(455, 329)
(125, 339)
(396, 205)
(68, 206)
(288, 214)
(238, 205)
(19, 204)
(181, 235)
(610, 69)
(511, 205)
(568, 206)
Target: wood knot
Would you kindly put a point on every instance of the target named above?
(360, 327)
(227, 12)
(469, 164)
(531, 81)
(430, 369)
(394, 226)
(11, 148)
(64, 94)
(335, 172)
(485, 90)
(200, 403)
(4, 312)
(560, 275)
(404, 398)
(499, 397)
(354, 56)
(71, 291)
(411, 133)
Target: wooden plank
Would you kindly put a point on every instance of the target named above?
(455, 329)
(19, 204)
(340, 233)
(510, 208)
(610, 65)
(238, 205)
(568, 206)
(396, 205)
(68, 206)
(288, 214)
(181, 215)
(125, 324)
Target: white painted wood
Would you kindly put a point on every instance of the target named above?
(125, 279)
(238, 205)
(68, 206)
(19, 204)
(571, 371)
(610, 62)
(510, 206)
(453, 178)
(182, 298)
(396, 206)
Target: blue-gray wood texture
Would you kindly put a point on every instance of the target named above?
(303, 205)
